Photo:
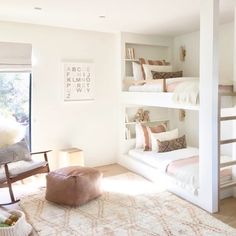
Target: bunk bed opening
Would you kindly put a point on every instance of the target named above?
(175, 169)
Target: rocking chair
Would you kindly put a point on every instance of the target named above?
(15, 170)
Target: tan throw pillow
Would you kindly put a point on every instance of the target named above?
(166, 63)
(171, 145)
(142, 61)
(166, 75)
(155, 62)
(158, 128)
(146, 132)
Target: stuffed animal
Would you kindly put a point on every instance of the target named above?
(139, 115)
(146, 115)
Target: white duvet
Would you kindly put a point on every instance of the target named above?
(187, 93)
(188, 177)
(162, 160)
(157, 85)
(185, 90)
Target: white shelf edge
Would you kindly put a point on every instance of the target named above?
(158, 99)
(131, 60)
(145, 122)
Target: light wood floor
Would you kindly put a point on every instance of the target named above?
(227, 212)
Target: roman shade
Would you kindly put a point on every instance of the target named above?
(15, 56)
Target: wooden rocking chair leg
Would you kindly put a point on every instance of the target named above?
(46, 159)
(11, 192)
(13, 200)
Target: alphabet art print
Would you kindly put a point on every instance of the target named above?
(78, 81)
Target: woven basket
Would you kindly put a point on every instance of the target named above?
(21, 228)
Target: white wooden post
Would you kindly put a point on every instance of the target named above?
(234, 65)
(234, 102)
(208, 141)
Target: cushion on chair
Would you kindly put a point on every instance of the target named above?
(15, 152)
(16, 168)
(73, 186)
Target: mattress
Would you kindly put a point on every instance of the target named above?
(157, 86)
(181, 166)
(162, 160)
(185, 172)
(146, 88)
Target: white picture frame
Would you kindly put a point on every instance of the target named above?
(78, 81)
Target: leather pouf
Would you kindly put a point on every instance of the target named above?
(73, 185)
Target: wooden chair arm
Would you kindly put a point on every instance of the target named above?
(42, 152)
(6, 162)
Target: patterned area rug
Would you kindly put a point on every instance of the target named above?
(130, 206)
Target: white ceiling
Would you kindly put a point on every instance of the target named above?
(166, 17)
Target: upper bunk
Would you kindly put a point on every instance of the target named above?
(142, 56)
(186, 95)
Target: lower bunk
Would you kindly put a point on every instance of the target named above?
(177, 170)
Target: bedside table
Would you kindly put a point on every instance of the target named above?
(71, 157)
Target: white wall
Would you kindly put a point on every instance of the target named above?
(91, 126)
(188, 127)
(191, 42)
(190, 67)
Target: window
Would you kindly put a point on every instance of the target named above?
(15, 98)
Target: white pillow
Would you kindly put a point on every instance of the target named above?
(149, 68)
(164, 136)
(137, 71)
(140, 140)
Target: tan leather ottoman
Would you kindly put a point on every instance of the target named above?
(74, 185)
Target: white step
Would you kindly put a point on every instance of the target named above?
(227, 141)
(227, 94)
(228, 185)
(224, 118)
(227, 163)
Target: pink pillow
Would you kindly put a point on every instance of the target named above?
(158, 128)
(154, 129)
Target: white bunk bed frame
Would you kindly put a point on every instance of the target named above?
(158, 99)
(155, 175)
(208, 194)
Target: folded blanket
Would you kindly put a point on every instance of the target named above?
(185, 172)
(187, 93)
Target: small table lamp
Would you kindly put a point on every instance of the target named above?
(71, 157)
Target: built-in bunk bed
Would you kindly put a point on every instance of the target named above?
(160, 154)
(163, 156)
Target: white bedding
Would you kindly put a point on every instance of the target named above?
(162, 160)
(187, 93)
(188, 177)
(157, 85)
(185, 90)
(146, 88)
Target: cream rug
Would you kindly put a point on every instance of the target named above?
(130, 206)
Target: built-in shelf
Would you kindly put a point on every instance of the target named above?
(131, 60)
(145, 122)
